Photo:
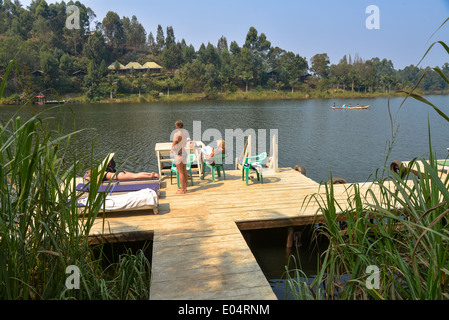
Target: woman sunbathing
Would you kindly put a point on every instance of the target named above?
(125, 176)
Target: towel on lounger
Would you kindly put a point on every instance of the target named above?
(120, 187)
(131, 200)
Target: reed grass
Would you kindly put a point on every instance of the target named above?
(403, 230)
(41, 232)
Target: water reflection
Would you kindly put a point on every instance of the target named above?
(274, 258)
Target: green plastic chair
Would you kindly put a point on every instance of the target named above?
(247, 165)
(216, 167)
(190, 160)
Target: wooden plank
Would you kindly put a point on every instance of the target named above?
(282, 223)
(198, 266)
(122, 237)
(212, 266)
(219, 288)
(198, 249)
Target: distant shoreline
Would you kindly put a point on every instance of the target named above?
(236, 96)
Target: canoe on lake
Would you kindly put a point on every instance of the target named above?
(355, 107)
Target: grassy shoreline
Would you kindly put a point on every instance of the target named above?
(241, 95)
(228, 96)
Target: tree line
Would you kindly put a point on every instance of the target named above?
(76, 60)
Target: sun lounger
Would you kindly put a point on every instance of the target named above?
(136, 200)
(130, 195)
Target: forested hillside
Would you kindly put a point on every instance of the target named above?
(54, 59)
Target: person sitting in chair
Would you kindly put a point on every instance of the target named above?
(211, 152)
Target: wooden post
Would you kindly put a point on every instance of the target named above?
(245, 153)
(290, 236)
(274, 155)
(293, 238)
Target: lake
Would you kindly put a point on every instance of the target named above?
(350, 144)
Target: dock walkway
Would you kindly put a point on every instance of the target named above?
(198, 249)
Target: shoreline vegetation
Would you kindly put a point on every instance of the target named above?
(230, 96)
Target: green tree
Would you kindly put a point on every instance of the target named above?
(20, 23)
(41, 30)
(136, 35)
(188, 53)
(95, 48)
(190, 75)
(320, 65)
(353, 76)
(245, 68)
(171, 83)
(75, 38)
(292, 67)
(49, 66)
(66, 64)
(222, 44)
(112, 82)
(246, 76)
(234, 48)
(41, 9)
(383, 67)
(208, 55)
(257, 44)
(151, 43)
(340, 72)
(409, 76)
(259, 47)
(225, 72)
(160, 40)
(138, 83)
(369, 76)
(113, 29)
(274, 58)
(170, 37)
(172, 57)
(57, 20)
(95, 73)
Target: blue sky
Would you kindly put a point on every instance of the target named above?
(304, 27)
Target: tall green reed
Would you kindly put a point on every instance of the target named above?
(402, 228)
(42, 230)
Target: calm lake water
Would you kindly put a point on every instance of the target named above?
(350, 144)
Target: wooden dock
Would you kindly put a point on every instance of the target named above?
(198, 249)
